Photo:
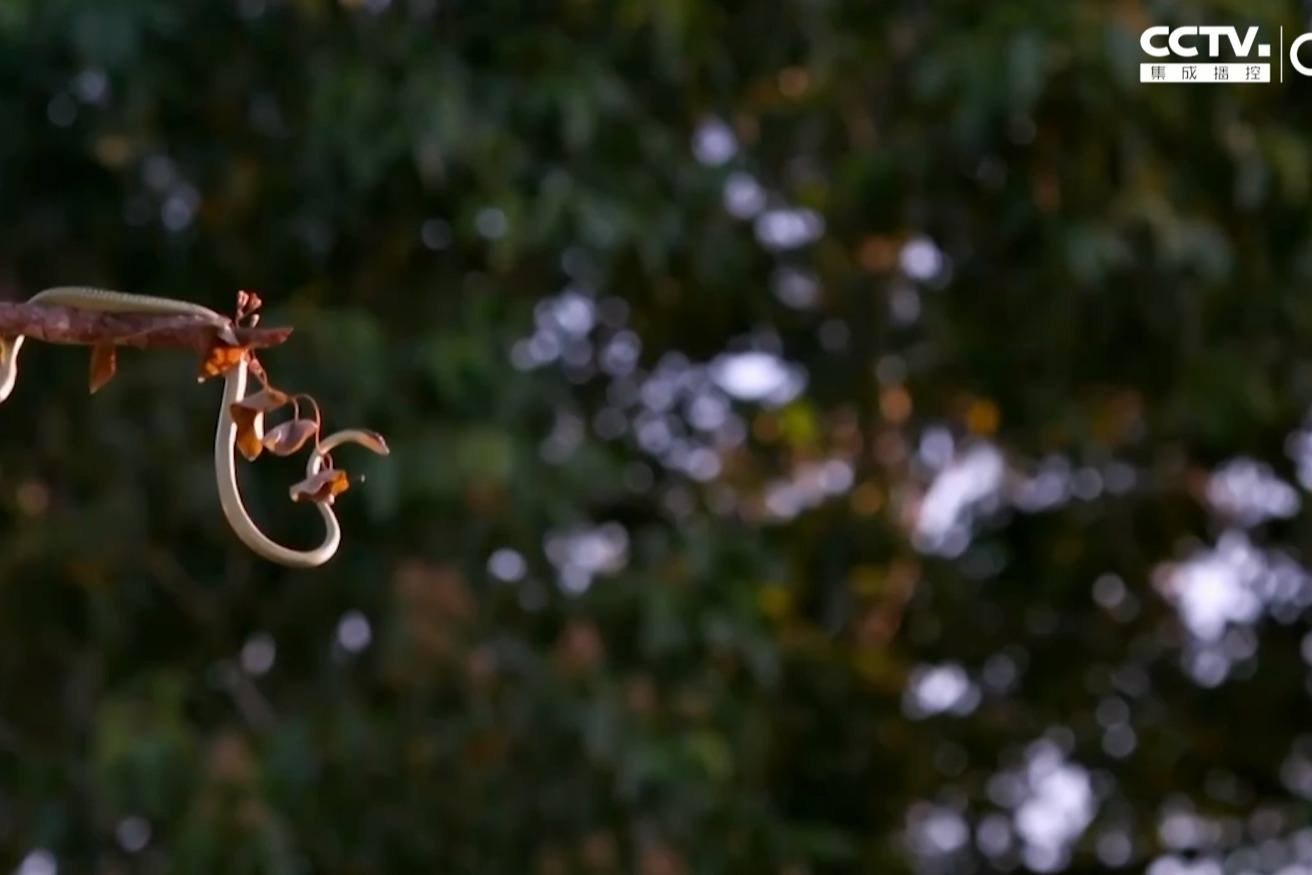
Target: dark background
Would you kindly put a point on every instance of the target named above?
(828, 437)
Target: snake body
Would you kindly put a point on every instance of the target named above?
(225, 438)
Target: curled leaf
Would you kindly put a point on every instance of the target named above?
(248, 416)
(249, 427)
(104, 363)
(321, 488)
(290, 436)
(262, 401)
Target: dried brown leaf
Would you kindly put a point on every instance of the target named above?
(290, 436)
(322, 487)
(248, 416)
(263, 401)
(247, 304)
(104, 363)
(249, 425)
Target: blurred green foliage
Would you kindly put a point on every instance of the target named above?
(680, 319)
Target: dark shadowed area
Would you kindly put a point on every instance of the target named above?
(828, 436)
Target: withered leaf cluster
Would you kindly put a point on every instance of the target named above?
(221, 349)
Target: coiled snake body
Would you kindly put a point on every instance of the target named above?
(225, 437)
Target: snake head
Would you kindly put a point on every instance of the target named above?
(370, 440)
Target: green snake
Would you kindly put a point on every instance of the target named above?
(225, 438)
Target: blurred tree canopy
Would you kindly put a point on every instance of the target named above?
(828, 437)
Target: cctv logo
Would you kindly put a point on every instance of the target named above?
(1151, 39)
(1187, 42)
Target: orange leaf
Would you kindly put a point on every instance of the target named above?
(321, 487)
(248, 416)
(290, 436)
(249, 426)
(104, 363)
(219, 359)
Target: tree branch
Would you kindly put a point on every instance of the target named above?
(70, 325)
